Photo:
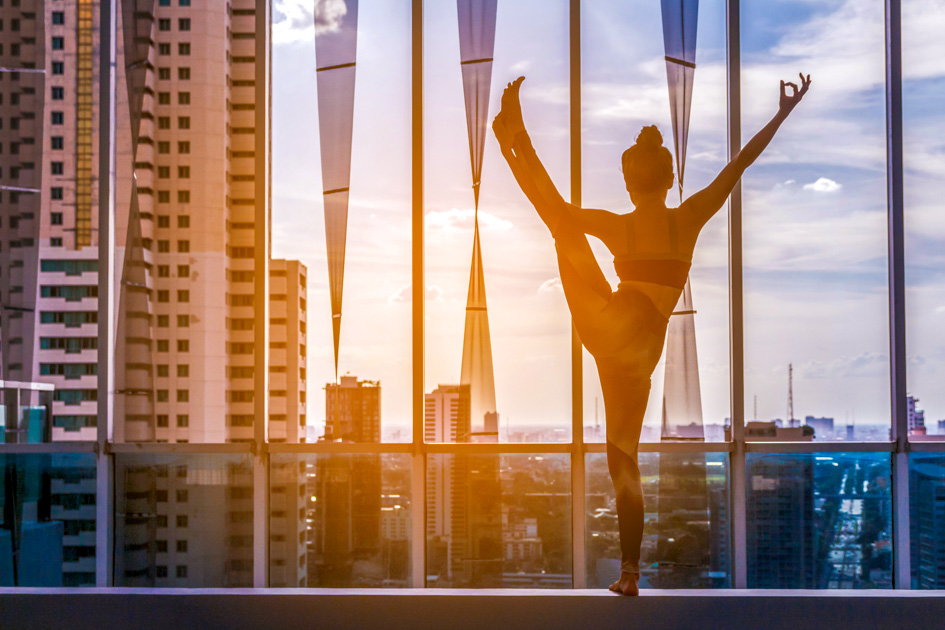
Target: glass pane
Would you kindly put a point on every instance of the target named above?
(686, 524)
(183, 520)
(624, 88)
(923, 127)
(927, 520)
(498, 521)
(47, 510)
(316, 130)
(184, 232)
(815, 278)
(339, 521)
(517, 353)
(819, 521)
(48, 208)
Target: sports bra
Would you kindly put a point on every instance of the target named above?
(669, 270)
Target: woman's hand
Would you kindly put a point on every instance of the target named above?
(508, 123)
(790, 101)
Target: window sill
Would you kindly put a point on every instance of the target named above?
(180, 609)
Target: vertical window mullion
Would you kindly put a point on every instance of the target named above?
(578, 562)
(902, 577)
(104, 477)
(261, 239)
(418, 460)
(737, 495)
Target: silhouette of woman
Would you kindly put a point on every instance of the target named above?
(624, 330)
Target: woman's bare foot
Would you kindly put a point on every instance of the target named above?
(627, 584)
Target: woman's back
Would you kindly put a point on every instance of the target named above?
(652, 248)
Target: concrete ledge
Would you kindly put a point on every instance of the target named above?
(180, 609)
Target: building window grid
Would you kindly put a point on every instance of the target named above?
(899, 449)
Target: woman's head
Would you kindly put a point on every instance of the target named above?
(648, 165)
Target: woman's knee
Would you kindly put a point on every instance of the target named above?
(621, 464)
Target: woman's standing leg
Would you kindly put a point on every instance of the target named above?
(625, 473)
(625, 398)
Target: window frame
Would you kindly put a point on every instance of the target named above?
(260, 449)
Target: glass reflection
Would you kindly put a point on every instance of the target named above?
(927, 520)
(498, 521)
(686, 522)
(339, 521)
(47, 531)
(819, 521)
(183, 520)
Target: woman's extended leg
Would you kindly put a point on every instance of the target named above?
(581, 277)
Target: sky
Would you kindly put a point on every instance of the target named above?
(814, 203)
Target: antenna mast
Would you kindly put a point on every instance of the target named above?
(790, 394)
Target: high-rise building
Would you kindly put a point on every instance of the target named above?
(353, 410)
(184, 267)
(288, 298)
(441, 423)
(191, 72)
(927, 505)
(191, 242)
(464, 515)
(48, 198)
(780, 522)
(916, 416)
(347, 515)
(49, 248)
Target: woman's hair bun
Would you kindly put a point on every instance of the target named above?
(650, 137)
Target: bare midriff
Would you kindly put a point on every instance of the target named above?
(663, 297)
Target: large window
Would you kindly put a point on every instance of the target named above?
(357, 368)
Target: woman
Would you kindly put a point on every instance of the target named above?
(624, 330)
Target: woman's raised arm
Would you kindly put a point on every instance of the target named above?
(705, 203)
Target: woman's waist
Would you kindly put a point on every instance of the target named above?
(667, 272)
(661, 298)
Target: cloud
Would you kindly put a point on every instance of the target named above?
(292, 21)
(824, 185)
(301, 20)
(433, 294)
(456, 219)
(551, 285)
(520, 67)
(328, 15)
(866, 364)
